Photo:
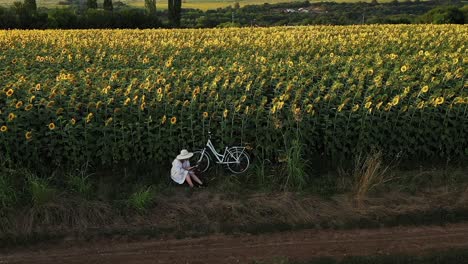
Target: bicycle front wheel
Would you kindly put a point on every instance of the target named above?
(201, 158)
(238, 161)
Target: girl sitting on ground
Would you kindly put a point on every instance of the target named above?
(181, 171)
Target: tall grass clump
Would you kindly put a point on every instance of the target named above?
(8, 194)
(80, 184)
(369, 173)
(41, 191)
(141, 199)
(296, 177)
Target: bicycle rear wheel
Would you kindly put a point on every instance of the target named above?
(238, 161)
(202, 159)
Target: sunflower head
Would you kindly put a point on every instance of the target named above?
(355, 107)
(340, 108)
(173, 120)
(205, 114)
(11, 116)
(10, 92)
(108, 121)
(51, 126)
(50, 104)
(28, 107)
(439, 100)
(425, 89)
(4, 129)
(28, 135)
(19, 104)
(89, 117)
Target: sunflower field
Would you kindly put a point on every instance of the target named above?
(110, 96)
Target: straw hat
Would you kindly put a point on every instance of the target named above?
(184, 154)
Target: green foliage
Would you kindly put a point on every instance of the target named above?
(8, 194)
(91, 4)
(142, 199)
(107, 5)
(30, 5)
(296, 174)
(443, 15)
(41, 191)
(150, 6)
(174, 12)
(81, 185)
(130, 105)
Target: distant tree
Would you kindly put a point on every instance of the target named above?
(92, 4)
(443, 15)
(150, 6)
(108, 5)
(175, 7)
(30, 5)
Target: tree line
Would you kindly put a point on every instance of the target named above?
(109, 14)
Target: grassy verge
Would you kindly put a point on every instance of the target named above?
(204, 212)
(83, 205)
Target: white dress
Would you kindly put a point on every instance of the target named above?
(178, 171)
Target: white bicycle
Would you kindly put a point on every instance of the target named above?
(235, 158)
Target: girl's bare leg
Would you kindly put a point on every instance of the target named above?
(195, 178)
(188, 180)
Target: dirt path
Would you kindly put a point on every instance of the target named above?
(298, 245)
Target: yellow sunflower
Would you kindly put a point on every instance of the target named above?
(51, 126)
(341, 107)
(19, 104)
(28, 107)
(73, 121)
(439, 100)
(108, 121)
(425, 89)
(173, 120)
(163, 119)
(205, 114)
(28, 135)
(4, 129)
(50, 104)
(89, 117)
(355, 107)
(10, 92)
(11, 116)
(225, 113)
(246, 110)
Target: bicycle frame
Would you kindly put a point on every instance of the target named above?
(221, 158)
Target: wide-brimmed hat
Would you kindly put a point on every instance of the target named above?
(184, 154)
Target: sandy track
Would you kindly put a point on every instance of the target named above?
(298, 245)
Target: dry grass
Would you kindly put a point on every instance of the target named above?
(369, 173)
(187, 213)
(66, 214)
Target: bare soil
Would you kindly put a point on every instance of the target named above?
(300, 245)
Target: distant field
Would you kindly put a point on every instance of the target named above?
(200, 4)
